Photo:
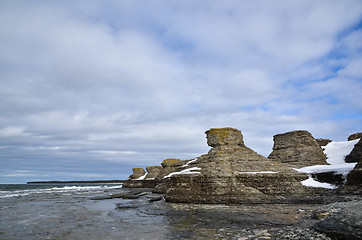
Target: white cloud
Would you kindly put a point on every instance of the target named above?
(84, 81)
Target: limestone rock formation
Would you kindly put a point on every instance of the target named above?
(169, 165)
(356, 153)
(139, 178)
(233, 173)
(355, 136)
(297, 149)
(152, 172)
(170, 162)
(354, 181)
(323, 141)
(137, 173)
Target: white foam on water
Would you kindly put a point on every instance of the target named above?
(65, 189)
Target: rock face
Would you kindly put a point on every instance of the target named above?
(355, 136)
(354, 181)
(297, 149)
(356, 153)
(233, 173)
(323, 141)
(152, 172)
(341, 220)
(139, 179)
(137, 173)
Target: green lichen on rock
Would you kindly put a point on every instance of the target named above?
(170, 162)
(224, 136)
(137, 172)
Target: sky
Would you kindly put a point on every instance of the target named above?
(91, 89)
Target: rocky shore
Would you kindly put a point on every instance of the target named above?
(250, 221)
(279, 197)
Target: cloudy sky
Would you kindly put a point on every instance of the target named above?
(90, 89)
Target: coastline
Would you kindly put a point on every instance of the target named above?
(77, 182)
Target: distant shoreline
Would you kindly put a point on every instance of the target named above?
(77, 182)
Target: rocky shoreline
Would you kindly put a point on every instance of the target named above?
(246, 221)
(279, 197)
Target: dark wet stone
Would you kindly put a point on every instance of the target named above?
(154, 199)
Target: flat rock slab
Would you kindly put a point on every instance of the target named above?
(342, 220)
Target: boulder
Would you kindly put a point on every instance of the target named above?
(233, 173)
(152, 172)
(356, 153)
(341, 220)
(137, 173)
(297, 149)
(323, 141)
(355, 136)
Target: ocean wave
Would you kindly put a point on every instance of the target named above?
(58, 189)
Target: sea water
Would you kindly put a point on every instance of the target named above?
(82, 212)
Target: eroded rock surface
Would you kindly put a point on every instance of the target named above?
(297, 149)
(323, 141)
(356, 153)
(355, 136)
(137, 173)
(341, 220)
(152, 172)
(233, 173)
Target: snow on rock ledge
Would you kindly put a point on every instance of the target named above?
(336, 153)
(185, 171)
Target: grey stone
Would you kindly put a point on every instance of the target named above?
(297, 149)
(343, 221)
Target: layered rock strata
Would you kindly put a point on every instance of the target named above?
(355, 136)
(356, 153)
(297, 149)
(323, 141)
(153, 172)
(141, 179)
(233, 173)
(137, 173)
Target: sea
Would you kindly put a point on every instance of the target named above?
(85, 211)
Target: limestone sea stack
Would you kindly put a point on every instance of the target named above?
(152, 172)
(141, 179)
(137, 173)
(297, 149)
(233, 173)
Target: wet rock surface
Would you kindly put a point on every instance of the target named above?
(220, 221)
(342, 220)
(297, 149)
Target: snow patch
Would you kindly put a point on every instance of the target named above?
(310, 182)
(336, 153)
(142, 177)
(191, 161)
(185, 171)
